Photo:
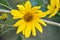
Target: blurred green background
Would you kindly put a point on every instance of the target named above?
(51, 32)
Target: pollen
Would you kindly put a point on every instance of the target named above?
(28, 17)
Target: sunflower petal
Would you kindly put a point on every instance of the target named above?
(33, 10)
(23, 32)
(20, 28)
(53, 14)
(38, 26)
(16, 13)
(33, 29)
(36, 7)
(52, 2)
(28, 30)
(17, 17)
(21, 8)
(57, 2)
(28, 6)
(41, 22)
(40, 14)
(18, 23)
(50, 7)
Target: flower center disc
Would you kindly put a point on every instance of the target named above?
(28, 17)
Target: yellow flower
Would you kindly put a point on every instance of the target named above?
(30, 19)
(53, 7)
(3, 16)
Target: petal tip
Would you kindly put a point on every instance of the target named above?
(41, 31)
(50, 17)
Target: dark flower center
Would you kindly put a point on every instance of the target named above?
(28, 17)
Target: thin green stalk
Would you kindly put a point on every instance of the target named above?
(5, 6)
(8, 4)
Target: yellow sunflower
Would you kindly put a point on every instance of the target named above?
(53, 7)
(29, 19)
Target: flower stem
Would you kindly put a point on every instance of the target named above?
(52, 23)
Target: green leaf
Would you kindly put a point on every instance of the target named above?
(40, 2)
(58, 13)
(9, 21)
(13, 3)
(7, 30)
(4, 3)
(19, 38)
(0, 29)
